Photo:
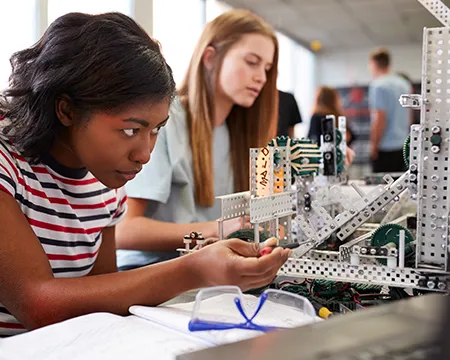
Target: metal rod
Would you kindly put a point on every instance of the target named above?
(220, 229)
(256, 230)
(401, 249)
(357, 189)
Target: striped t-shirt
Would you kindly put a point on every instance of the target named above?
(67, 210)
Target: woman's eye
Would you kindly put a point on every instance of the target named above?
(130, 132)
(251, 63)
(155, 131)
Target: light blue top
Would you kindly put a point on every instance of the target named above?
(167, 180)
(384, 94)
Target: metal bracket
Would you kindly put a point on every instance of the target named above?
(439, 10)
(411, 101)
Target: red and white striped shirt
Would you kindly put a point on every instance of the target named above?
(67, 210)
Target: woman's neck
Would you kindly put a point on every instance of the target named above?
(63, 153)
(222, 108)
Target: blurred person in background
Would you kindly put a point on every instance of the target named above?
(390, 122)
(288, 114)
(328, 103)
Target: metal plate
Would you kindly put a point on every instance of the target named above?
(433, 178)
(270, 207)
(438, 9)
(234, 205)
(366, 274)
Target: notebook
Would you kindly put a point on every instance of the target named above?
(150, 333)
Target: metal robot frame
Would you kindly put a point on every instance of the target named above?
(428, 181)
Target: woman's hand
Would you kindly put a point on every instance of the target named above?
(235, 262)
(349, 156)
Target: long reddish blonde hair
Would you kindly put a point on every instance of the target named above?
(249, 127)
(328, 102)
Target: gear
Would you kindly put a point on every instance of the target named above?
(338, 137)
(303, 153)
(340, 161)
(248, 235)
(390, 233)
(406, 150)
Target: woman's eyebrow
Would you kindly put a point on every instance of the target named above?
(137, 121)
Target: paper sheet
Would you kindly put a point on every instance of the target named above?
(155, 333)
(100, 336)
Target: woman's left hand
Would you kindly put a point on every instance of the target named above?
(349, 156)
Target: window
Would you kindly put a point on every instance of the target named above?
(285, 81)
(20, 30)
(56, 8)
(177, 25)
(304, 75)
(296, 74)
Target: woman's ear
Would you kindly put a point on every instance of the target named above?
(208, 58)
(64, 111)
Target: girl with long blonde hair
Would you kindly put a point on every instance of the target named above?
(227, 104)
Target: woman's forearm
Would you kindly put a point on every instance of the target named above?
(55, 300)
(141, 233)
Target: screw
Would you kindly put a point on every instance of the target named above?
(373, 251)
(434, 197)
(434, 178)
(412, 177)
(366, 213)
(430, 284)
(433, 216)
(433, 226)
(436, 129)
(442, 285)
(413, 167)
(363, 250)
(399, 186)
(332, 226)
(435, 149)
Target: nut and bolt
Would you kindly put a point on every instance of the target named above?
(435, 149)
(436, 129)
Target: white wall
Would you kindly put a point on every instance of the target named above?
(346, 68)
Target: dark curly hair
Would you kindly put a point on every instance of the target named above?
(99, 62)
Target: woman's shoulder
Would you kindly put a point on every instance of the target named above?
(176, 130)
(317, 115)
(9, 152)
(177, 113)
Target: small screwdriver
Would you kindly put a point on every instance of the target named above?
(268, 249)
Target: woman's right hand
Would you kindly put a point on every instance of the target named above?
(235, 262)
